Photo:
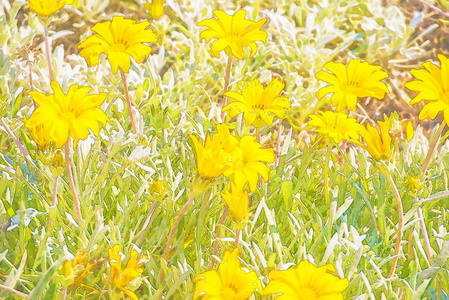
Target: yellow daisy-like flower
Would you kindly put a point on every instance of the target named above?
(122, 277)
(247, 163)
(63, 115)
(357, 80)
(119, 39)
(432, 85)
(258, 105)
(232, 33)
(237, 201)
(306, 282)
(335, 126)
(230, 282)
(155, 8)
(212, 157)
(46, 8)
(378, 145)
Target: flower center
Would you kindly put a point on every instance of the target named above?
(259, 106)
(120, 45)
(445, 97)
(349, 88)
(67, 116)
(228, 293)
(308, 294)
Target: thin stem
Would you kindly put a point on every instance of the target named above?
(432, 149)
(103, 288)
(48, 53)
(31, 83)
(202, 216)
(436, 9)
(147, 222)
(228, 74)
(30, 70)
(400, 226)
(128, 100)
(326, 175)
(422, 224)
(54, 198)
(13, 291)
(64, 294)
(237, 236)
(72, 185)
(222, 222)
(278, 145)
(171, 236)
(16, 140)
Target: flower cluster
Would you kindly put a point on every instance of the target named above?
(305, 282)
(120, 277)
(241, 160)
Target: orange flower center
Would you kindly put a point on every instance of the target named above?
(120, 45)
(259, 106)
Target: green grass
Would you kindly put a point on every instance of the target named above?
(177, 92)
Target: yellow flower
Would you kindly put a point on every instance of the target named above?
(39, 134)
(155, 8)
(257, 104)
(306, 282)
(237, 201)
(212, 157)
(335, 126)
(232, 33)
(246, 163)
(230, 282)
(46, 8)
(63, 115)
(74, 272)
(378, 145)
(119, 39)
(432, 85)
(122, 277)
(357, 80)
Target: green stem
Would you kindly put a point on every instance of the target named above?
(397, 247)
(326, 175)
(76, 201)
(217, 241)
(428, 248)
(146, 224)
(278, 145)
(171, 236)
(432, 149)
(228, 74)
(128, 101)
(203, 209)
(54, 199)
